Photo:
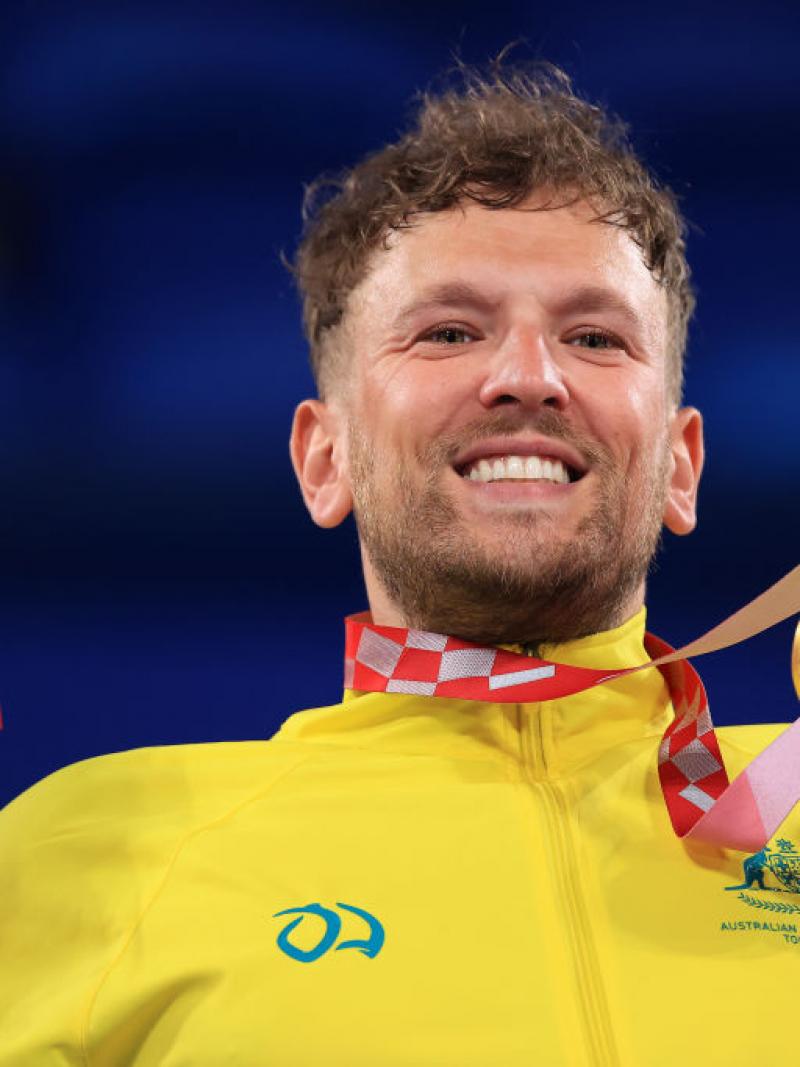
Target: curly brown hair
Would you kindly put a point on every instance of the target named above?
(495, 139)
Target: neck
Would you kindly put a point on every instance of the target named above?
(384, 611)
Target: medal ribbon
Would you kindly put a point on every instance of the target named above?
(702, 804)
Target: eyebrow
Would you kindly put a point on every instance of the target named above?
(457, 293)
(586, 298)
(599, 298)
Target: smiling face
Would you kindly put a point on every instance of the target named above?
(504, 433)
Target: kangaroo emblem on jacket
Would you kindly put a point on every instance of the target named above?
(784, 864)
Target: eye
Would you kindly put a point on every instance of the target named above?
(596, 339)
(448, 334)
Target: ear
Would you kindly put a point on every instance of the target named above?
(688, 453)
(316, 446)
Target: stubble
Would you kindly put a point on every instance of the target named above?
(532, 586)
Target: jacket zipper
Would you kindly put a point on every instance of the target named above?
(594, 1013)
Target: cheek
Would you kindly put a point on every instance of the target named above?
(416, 407)
(625, 413)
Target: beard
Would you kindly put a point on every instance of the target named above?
(534, 585)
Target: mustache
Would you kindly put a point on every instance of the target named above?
(547, 422)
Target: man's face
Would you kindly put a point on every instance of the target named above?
(510, 443)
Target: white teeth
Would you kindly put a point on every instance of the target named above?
(533, 467)
(518, 468)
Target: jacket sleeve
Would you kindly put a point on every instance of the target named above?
(73, 879)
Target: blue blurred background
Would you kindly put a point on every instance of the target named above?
(160, 581)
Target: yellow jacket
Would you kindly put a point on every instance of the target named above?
(479, 885)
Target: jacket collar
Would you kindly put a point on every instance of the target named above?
(552, 736)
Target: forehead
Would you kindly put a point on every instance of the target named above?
(510, 254)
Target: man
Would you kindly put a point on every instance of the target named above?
(497, 309)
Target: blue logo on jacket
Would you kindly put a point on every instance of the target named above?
(370, 947)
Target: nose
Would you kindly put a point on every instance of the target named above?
(524, 371)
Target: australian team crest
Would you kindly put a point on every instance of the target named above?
(775, 870)
(785, 865)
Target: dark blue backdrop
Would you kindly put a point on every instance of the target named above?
(160, 580)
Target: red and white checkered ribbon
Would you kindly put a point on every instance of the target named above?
(702, 804)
